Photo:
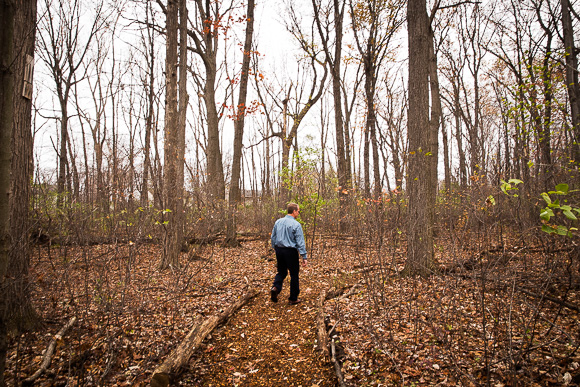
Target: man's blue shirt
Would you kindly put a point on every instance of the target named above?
(287, 232)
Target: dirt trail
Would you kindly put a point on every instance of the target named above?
(266, 343)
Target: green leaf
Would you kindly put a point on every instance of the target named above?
(530, 164)
(562, 230)
(569, 215)
(515, 181)
(491, 200)
(546, 198)
(566, 208)
(548, 229)
(562, 188)
(546, 214)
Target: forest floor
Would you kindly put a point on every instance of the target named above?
(461, 328)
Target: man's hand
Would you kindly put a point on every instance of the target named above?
(305, 262)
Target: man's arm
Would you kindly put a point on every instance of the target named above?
(300, 243)
(273, 236)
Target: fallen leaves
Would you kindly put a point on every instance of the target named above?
(444, 330)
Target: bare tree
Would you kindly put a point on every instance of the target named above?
(325, 27)
(239, 115)
(209, 24)
(374, 22)
(300, 107)
(149, 85)
(63, 50)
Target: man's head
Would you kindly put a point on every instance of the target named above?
(293, 209)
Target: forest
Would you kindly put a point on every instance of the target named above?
(148, 147)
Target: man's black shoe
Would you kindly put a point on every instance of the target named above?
(274, 294)
(298, 301)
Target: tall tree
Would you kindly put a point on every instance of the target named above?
(334, 61)
(173, 154)
(149, 85)
(16, 69)
(239, 116)
(303, 98)
(211, 21)
(420, 180)
(374, 23)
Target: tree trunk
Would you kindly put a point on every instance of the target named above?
(459, 138)
(342, 138)
(62, 156)
(171, 245)
(234, 196)
(16, 51)
(182, 121)
(432, 155)
(371, 125)
(446, 161)
(149, 120)
(215, 169)
(572, 77)
(545, 135)
(420, 179)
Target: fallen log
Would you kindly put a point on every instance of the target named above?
(321, 326)
(49, 352)
(181, 355)
(336, 364)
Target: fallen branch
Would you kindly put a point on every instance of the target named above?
(321, 326)
(339, 293)
(549, 298)
(336, 365)
(49, 352)
(181, 355)
(351, 291)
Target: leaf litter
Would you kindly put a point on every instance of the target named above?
(450, 329)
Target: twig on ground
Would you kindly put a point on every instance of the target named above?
(49, 352)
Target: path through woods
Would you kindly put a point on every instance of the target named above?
(266, 344)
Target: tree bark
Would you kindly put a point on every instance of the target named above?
(150, 83)
(420, 180)
(572, 76)
(16, 50)
(446, 161)
(171, 216)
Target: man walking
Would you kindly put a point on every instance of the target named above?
(288, 242)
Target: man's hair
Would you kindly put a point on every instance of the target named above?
(292, 207)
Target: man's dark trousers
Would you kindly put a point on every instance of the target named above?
(288, 261)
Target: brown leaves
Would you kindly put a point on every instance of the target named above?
(444, 330)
